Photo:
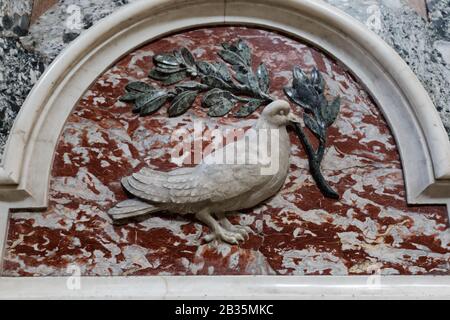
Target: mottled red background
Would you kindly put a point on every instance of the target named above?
(299, 231)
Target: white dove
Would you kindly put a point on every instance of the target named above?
(212, 188)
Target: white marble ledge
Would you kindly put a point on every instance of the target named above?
(229, 287)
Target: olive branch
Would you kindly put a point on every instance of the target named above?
(223, 89)
(318, 116)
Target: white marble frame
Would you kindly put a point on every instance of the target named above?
(422, 141)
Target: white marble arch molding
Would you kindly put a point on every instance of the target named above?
(422, 141)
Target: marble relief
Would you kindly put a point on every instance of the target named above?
(298, 231)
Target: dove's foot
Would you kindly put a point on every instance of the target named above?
(224, 235)
(218, 232)
(226, 224)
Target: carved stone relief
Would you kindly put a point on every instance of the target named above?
(296, 231)
(226, 186)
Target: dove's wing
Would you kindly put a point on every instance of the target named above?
(190, 185)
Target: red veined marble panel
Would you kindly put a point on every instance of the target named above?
(370, 229)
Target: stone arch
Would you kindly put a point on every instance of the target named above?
(417, 128)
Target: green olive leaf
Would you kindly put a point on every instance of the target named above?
(192, 85)
(232, 57)
(248, 108)
(219, 102)
(144, 99)
(166, 59)
(304, 89)
(187, 57)
(156, 75)
(168, 70)
(241, 76)
(175, 77)
(222, 71)
(215, 82)
(252, 82)
(206, 68)
(153, 104)
(312, 125)
(139, 86)
(228, 46)
(299, 76)
(263, 78)
(221, 108)
(216, 96)
(181, 103)
(130, 96)
(306, 95)
(317, 80)
(331, 111)
(292, 95)
(244, 52)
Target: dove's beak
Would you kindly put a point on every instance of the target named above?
(293, 118)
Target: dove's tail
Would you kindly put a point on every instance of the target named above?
(131, 208)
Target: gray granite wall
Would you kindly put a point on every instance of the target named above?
(424, 45)
(421, 38)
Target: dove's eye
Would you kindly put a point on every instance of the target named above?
(281, 113)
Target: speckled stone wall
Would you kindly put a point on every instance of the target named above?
(417, 29)
(298, 231)
(19, 67)
(15, 17)
(26, 50)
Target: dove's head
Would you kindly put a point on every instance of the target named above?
(279, 114)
